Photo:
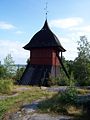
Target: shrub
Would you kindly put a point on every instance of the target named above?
(2, 72)
(6, 86)
(69, 96)
(60, 101)
(53, 81)
(60, 81)
(19, 73)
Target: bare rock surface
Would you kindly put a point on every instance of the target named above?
(29, 112)
(37, 116)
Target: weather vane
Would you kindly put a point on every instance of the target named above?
(46, 11)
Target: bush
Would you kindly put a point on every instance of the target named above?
(69, 96)
(59, 81)
(53, 81)
(6, 86)
(19, 73)
(60, 101)
(2, 72)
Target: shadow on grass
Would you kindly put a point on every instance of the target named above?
(55, 105)
(52, 105)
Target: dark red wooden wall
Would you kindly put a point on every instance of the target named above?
(44, 56)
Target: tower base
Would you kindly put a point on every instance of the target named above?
(39, 74)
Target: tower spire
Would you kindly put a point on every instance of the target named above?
(46, 10)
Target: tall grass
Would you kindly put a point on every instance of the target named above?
(6, 86)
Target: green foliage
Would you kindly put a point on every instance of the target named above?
(58, 81)
(2, 72)
(79, 69)
(83, 48)
(69, 66)
(81, 65)
(19, 73)
(52, 81)
(6, 86)
(28, 96)
(59, 102)
(9, 66)
(82, 71)
(52, 105)
(64, 81)
(69, 96)
(61, 79)
(72, 81)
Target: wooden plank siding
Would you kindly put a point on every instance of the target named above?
(44, 57)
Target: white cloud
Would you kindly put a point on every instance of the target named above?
(66, 23)
(85, 29)
(15, 49)
(71, 48)
(7, 26)
(80, 31)
(19, 32)
(20, 55)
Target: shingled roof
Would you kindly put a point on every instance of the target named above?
(43, 39)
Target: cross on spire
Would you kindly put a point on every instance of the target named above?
(46, 9)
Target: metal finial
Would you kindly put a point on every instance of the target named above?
(46, 11)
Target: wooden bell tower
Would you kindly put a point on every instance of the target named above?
(45, 61)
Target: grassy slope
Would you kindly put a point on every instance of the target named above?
(13, 103)
(55, 105)
(51, 104)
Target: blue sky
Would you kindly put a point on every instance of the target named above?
(21, 19)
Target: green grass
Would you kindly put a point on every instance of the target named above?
(55, 106)
(6, 86)
(52, 105)
(52, 102)
(13, 103)
(83, 91)
(63, 104)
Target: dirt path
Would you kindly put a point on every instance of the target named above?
(2, 97)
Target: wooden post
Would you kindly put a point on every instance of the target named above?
(61, 55)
